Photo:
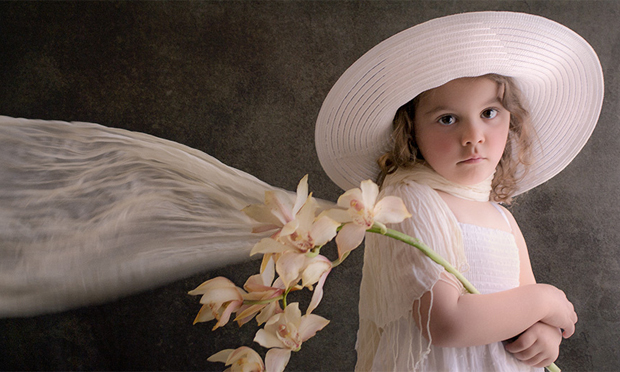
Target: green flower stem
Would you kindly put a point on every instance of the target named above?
(284, 304)
(380, 229)
(428, 252)
(340, 260)
(314, 251)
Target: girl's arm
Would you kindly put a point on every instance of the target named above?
(466, 320)
(539, 345)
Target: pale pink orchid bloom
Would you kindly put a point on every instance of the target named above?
(277, 210)
(242, 359)
(298, 227)
(220, 298)
(302, 234)
(293, 267)
(363, 212)
(289, 266)
(285, 332)
(259, 287)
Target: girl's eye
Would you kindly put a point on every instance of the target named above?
(447, 120)
(489, 113)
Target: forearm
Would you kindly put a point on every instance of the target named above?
(468, 320)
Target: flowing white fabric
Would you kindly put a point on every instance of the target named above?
(90, 213)
(395, 275)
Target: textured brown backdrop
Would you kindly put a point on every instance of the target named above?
(244, 81)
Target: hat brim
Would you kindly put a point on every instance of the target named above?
(557, 71)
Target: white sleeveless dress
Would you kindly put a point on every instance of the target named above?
(493, 259)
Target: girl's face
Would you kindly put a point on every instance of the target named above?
(461, 129)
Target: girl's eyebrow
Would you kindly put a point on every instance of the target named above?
(436, 109)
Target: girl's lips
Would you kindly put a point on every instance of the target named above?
(472, 160)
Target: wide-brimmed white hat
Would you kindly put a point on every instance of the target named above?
(557, 71)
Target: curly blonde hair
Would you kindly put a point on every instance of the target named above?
(404, 152)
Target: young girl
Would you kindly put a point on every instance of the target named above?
(482, 114)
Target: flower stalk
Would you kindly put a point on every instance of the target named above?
(293, 253)
(427, 251)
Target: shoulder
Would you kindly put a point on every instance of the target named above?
(511, 219)
(526, 275)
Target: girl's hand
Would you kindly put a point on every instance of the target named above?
(538, 346)
(561, 312)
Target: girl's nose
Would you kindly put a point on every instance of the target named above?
(473, 132)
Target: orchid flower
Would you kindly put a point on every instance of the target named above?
(286, 332)
(261, 288)
(298, 227)
(293, 267)
(277, 209)
(220, 299)
(363, 211)
(242, 359)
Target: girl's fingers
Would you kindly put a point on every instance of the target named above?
(567, 332)
(521, 344)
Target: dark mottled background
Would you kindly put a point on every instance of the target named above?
(244, 81)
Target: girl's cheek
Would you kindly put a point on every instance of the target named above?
(441, 145)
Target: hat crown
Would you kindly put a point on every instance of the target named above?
(557, 71)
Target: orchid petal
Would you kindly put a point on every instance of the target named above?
(266, 294)
(221, 295)
(278, 203)
(370, 191)
(339, 215)
(217, 282)
(247, 313)
(262, 214)
(264, 228)
(255, 283)
(267, 258)
(302, 194)
(317, 296)
(314, 269)
(277, 359)
(324, 230)
(220, 356)
(252, 359)
(306, 214)
(269, 311)
(225, 316)
(268, 245)
(292, 314)
(391, 209)
(205, 314)
(344, 201)
(267, 339)
(268, 272)
(290, 227)
(243, 359)
(349, 238)
(278, 284)
(288, 266)
(310, 324)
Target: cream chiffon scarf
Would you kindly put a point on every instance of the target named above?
(395, 274)
(89, 214)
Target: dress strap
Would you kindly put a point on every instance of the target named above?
(501, 210)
